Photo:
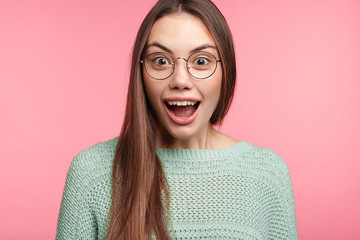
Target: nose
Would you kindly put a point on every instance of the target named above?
(180, 78)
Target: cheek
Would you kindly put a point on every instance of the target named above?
(214, 89)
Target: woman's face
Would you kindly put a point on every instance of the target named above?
(183, 104)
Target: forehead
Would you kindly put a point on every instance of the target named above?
(180, 32)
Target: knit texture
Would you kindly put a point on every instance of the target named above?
(240, 192)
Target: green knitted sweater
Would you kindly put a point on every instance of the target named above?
(239, 192)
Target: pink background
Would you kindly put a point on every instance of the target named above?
(63, 76)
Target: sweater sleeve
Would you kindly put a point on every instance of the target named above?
(286, 218)
(76, 219)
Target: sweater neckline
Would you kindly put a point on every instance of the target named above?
(180, 153)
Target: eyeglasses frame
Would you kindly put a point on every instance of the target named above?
(187, 64)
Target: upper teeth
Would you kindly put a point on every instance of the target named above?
(181, 103)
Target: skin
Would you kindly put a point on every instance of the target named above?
(180, 34)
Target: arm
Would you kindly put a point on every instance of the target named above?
(286, 218)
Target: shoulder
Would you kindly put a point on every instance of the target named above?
(98, 154)
(93, 162)
(87, 192)
(266, 157)
(260, 162)
(265, 169)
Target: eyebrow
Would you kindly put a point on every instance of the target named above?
(204, 46)
(199, 48)
(156, 44)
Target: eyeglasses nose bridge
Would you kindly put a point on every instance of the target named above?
(186, 60)
(182, 59)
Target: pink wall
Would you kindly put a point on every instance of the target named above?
(63, 75)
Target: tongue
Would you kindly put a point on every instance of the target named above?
(183, 111)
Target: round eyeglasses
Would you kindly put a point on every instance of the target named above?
(200, 65)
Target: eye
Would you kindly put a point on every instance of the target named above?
(161, 61)
(201, 61)
(158, 61)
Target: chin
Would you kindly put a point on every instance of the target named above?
(183, 132)
(181, 135)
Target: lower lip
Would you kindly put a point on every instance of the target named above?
(181, 120)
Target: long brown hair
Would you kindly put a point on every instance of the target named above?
(140, 195)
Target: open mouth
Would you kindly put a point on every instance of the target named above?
(182, 109)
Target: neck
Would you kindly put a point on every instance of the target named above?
(206, 139)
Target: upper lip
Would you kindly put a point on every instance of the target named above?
(190, 99)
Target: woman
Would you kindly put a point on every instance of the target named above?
(171, 174)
